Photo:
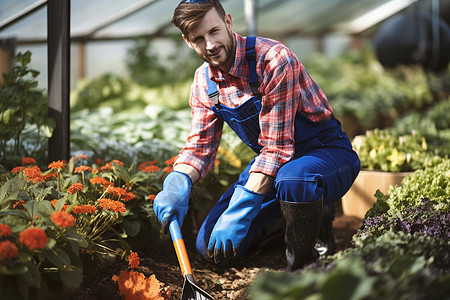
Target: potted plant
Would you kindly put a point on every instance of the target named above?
(386, 158)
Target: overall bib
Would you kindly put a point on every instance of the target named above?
(324, 164)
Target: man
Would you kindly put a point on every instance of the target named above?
(262, 91)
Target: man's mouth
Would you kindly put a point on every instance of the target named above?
(214, 53)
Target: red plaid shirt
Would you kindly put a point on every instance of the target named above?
(286, 87)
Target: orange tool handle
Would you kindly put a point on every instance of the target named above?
(180, 248)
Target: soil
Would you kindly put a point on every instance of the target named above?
(220, 282)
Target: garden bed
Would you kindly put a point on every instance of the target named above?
(222, 283)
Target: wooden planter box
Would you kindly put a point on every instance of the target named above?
(360, 198)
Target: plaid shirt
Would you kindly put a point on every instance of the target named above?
(286, 87)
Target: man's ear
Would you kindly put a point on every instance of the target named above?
(229, 21)
(187, 41)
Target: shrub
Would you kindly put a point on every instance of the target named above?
(24, 123)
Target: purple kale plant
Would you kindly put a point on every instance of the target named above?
(422, 219)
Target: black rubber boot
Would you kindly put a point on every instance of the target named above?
(326, 244)
(302, 220)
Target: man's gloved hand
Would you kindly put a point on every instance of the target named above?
(173, 199)
(233, 225)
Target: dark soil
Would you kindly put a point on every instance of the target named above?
(221, 283)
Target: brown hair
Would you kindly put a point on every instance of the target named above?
(188, 15)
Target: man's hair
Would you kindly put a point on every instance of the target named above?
(188, 15)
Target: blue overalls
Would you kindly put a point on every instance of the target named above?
(324, 164)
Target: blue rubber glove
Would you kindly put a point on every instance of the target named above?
(233, 225)
(173, 199)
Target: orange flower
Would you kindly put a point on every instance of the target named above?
(19, 204)
(94, 171)
(107, 167)
(102, 181)
(117, 191)
(63, 219)
(80, 156)
(75, 187)
(151, 197)
(49, 175)
(82, 169)
(8, 250)
(5, 231)
(112, 205)
(57, 165)
(18, 169)
(171, 160)
(33, 174)
(133, 259)
(129, 196)
(28, 161)
(33, 238)
(150, 169)
(134, 285)
(146, 164)
(118, 162)
(84, 209)
(121, 193)
(168, 169)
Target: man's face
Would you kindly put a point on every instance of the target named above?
(213, 40)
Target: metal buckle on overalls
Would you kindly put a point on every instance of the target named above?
(215, 98)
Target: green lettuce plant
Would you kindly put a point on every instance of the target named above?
(432, 182)
(387, 150)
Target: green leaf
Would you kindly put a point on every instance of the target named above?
(75, 239)
(10, 190)
(120, 171)
(15, 212)
(60, 204)
(58, 257)
(32, 207)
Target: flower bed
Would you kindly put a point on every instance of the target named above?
(50, 220)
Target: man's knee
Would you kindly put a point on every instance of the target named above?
(304, 188)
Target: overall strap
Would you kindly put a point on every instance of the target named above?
(213, 92)
(250, 56)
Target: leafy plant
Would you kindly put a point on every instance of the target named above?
(24, 123)
(386, 150)
(48, 218)
(432, 182)
(370, 96)
(390, 266)
(401, 252)
(433, 124)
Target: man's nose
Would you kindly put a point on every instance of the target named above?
(209, 44)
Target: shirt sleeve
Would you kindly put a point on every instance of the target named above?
(281, 92)
(201, 145)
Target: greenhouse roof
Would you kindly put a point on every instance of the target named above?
(110, 19)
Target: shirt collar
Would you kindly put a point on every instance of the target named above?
(239, 60)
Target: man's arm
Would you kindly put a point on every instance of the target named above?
(189, 170)
(259, 183)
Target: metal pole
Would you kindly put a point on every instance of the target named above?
(250, 9)
(58, 31)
